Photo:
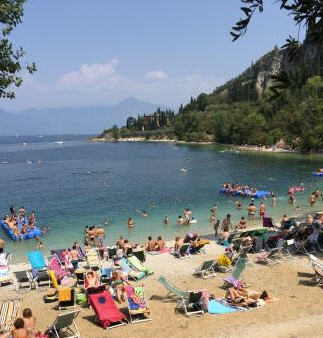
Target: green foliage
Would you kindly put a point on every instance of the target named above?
(11, 13)
(158, 119)
(115, 132)
(295, 117)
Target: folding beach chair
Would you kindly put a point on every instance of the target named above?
(39, 271)
(184, 250)
(23, 280)
(172, 290)
(37, 260)
(137, 305)
(93, 259)
(80, 277)
(55, 265)
(65, 326)
(132, 274)
(8, 313)
(140, 254)
(137, 265)
(106, 310)
(317, 266)
(206, 269)
(192, 305)
(106, 275)
(236, 272)
(66, 298)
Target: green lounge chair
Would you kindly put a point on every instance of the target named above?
(136, 264)
(206, 269)
(65, 324)
(173, 290)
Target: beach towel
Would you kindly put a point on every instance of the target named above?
(165, 250)
(55, 265)
(64, 294)
(215, 307)
(53, 279)
(105, 309)
(135, 297)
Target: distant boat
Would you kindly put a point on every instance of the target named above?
(24, 144)
(59, 142)
(29, 162)
(184, 170)
(4, 162)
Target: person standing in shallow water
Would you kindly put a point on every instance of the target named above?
(216, 228)
(131, 223)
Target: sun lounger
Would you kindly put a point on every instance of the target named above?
(5, 276)
(206, 269)
(317, 266)
(137, 265)
(132, 274)
(106, 310)
(23, 280)
(172, 290)
(140, 254)
(66, 298)
(192, 305)
(55, 265)
(236, 272)
(65, 326)
(37, 260)
(93, 259)
(8, 314)
(137, 305)
(106, 275)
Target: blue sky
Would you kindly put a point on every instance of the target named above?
(100, 52)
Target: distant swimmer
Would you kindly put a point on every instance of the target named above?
(131, 223)
(143, 213)
(166, 220)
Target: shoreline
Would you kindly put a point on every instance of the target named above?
(245, 148)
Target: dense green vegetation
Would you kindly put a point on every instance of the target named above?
(296, 117)
(157, 125)
(11, 13)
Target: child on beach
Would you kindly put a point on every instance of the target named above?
(29, 320)
(19, 330)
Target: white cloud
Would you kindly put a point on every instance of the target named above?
(156, 75)
(102, 83)
(97, 74)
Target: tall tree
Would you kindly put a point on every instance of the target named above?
(11, 57)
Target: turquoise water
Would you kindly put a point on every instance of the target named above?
(77, 183)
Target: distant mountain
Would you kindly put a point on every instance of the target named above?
(71, 120)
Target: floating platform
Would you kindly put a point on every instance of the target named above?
(28, 235)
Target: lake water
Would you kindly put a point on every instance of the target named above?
(78, 183)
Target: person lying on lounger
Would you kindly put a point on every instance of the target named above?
(243, 297)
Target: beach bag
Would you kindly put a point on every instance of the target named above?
(81, 299)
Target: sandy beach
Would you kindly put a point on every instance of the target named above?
(297, 312)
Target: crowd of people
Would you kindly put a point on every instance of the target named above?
(19, 222)
(239, 189)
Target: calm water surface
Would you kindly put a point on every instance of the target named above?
(77, 183)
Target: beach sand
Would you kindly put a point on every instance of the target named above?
(297, 312)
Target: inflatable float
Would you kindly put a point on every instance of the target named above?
(36, 232)
(317, 173)
(257, 194)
